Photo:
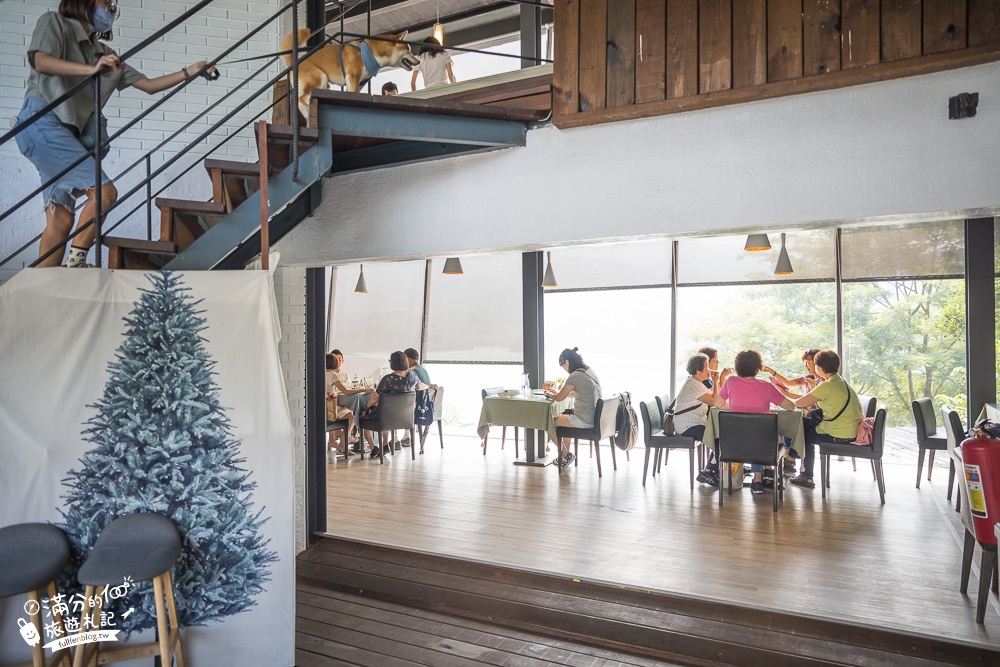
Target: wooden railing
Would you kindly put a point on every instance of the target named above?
(624, 59)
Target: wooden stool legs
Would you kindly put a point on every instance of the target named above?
(59, 656)
(168, 646)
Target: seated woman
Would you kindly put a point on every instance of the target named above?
(400, 381)
(334, 411)
(584, 386)
(804, 384)
(745, 393)
(692, 404)
(841, 413)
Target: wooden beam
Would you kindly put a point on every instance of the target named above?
(887, 71)
(651, 44)
(682, 41)
(784, 40)
(749, 43)
(715, 45)
(984, 22)
(860, 22)
(900, 29)
(944, 25)
(593, 54)
(621, 53)
(820, 36)
(565, 70)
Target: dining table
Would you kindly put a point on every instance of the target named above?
(355, 402)
(790, 425)
(535, 412)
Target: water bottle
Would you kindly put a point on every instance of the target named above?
(525, 385)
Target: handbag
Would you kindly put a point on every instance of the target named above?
(423, 411)
(668, 418)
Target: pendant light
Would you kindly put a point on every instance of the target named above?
(757, 242)
(784, 266)
(549, 279)
(438, 28)
(453, 266)
(362, 287)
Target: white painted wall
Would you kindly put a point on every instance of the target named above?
(885, 149)
(202, 37)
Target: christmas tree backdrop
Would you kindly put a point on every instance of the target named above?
(163, 444)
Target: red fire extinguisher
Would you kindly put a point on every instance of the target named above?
(981, 455)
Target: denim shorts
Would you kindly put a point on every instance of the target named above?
(577, 422)
(51, 147)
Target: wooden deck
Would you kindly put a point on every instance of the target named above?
(847, 558)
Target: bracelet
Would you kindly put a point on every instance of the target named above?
(184, 71)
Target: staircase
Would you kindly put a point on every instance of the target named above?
(353, 132)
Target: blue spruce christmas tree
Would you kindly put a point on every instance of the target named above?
(163, 444)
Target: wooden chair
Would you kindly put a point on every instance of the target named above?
(928, 438)
(438, 412)
(748, 437)
(605, 426)
(495, 391)
(32, 555)
(395, 412)
(656, 439)
(873, 452)
(955, 433)
(143, 547)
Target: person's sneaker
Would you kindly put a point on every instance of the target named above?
(756, 488)
(708, 477)
(565, 461)
(788, 468)
(803, 481)
(374, 453)
(405, 441)
(356, 448)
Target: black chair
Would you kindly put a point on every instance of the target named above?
(341, 426)
(955, 433)
(928, 438)
(395, 412)
(495, 391)
(143, 547)
(31, 557)
(662, 403)
(438, 398)
(655, 438)
(873, 452)
(605, 426)
(747, 437)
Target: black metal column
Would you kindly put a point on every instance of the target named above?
(315, 19)
(315, 405)
(980, 315)
(531, 35)
(533, 321)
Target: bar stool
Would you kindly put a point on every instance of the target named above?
(142, 547)
(31, 557)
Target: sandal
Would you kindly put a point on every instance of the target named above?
(803, 481)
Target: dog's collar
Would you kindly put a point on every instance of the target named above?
(367, 58)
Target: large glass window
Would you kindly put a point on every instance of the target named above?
(367, 328)
(722, 259)
(619, 265)
(476, 316)
(922, 249)
(624, 335)
(463, 385)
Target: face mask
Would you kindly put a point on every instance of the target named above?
(102, 20)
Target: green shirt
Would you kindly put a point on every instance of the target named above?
(832, 394)
(422, 374)
(68, 40)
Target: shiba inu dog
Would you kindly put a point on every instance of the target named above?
(349, 64)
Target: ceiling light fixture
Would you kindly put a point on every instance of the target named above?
(549, 279)
(438, 28)
(784, 266)
(757, 242)
(362, 286)
(453, 266)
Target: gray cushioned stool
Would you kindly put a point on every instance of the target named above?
(31, 557)
(143, 547)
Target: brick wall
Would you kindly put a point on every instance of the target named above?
(201, 37)
(290, 293)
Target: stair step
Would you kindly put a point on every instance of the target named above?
(138, 254)
(232, 182)
(183, 221)
(279, 145)
(307, 135)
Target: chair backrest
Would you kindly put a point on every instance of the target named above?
(647, 413)
(878, 434)
(606, 416)
(953, 428)
(395, 411)
(438, 403)
(868, 405)
(663, 402)
(748, 437)
(923, 415)
(492, 391)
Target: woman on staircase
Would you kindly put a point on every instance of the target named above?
(65, 49)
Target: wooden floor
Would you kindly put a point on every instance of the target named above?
(846, 558)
